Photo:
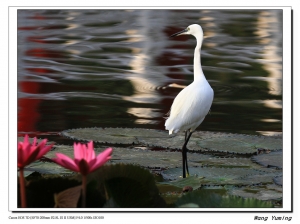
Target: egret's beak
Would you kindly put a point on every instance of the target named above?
(182, 32)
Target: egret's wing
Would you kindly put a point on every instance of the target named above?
(189, 108)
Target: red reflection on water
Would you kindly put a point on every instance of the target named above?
(44, 53)
(28, 114)
(37, 39)
(37, 16)
(27, 28)
(40, 70)
(167, 60)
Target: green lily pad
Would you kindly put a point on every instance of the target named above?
(278, 180)
(151, 159)
(229, 162)
(215, 170)
(208, 141)
(274, 187)
(193, 181)
(261, 178)
(201, 198)
(272, 159)
(241, 144)
(221, 176)
(160, 159)
(258, 192)
(206, 199)
(113, 135)
(45, 168)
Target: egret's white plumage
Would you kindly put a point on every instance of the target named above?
(192, 104)
(190, 107)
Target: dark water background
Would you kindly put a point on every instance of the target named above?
(114, 68)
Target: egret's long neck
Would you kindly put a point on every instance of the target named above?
(198, 73)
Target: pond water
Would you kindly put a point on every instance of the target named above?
(120, 68)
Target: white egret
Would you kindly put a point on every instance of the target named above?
(192, 104)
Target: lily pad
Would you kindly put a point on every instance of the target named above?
(229, 162)
(261, 178)
(274, 187)
(211, 170)
(193, 181)
(241, 144)
(200, 141)
(258, 192)
(113, 135)
(220, 176)
(152, 159)
(201, 198)
(160, 159)
(205, 199)
(45, 168)
(272, 159)
(278, 180)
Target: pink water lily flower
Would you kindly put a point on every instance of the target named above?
(85, 161)
(28, 153)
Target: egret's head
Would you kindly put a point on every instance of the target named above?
(193, 29)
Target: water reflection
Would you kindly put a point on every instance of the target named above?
(147, 75)
(269, 29)
(119, 68)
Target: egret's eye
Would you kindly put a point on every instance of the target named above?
(188, 29)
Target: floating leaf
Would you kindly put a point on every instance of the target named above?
(67, 198)
(239, 202)
(206, 199)
(200, 141)
(259, 192)
(220, 176)
(260, 178)
(272, 159)
(193, 181)
(226, 144)
(227, 162)
(155, 159)
(278, 180)
(46, 168)
(158, 159)
(112, 135)
(201, 198)
(242, 144)
(274, 187)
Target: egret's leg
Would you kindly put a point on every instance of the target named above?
(184, 154)
(186, 138)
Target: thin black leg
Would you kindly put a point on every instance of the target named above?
(183, 162)
(188, 134)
